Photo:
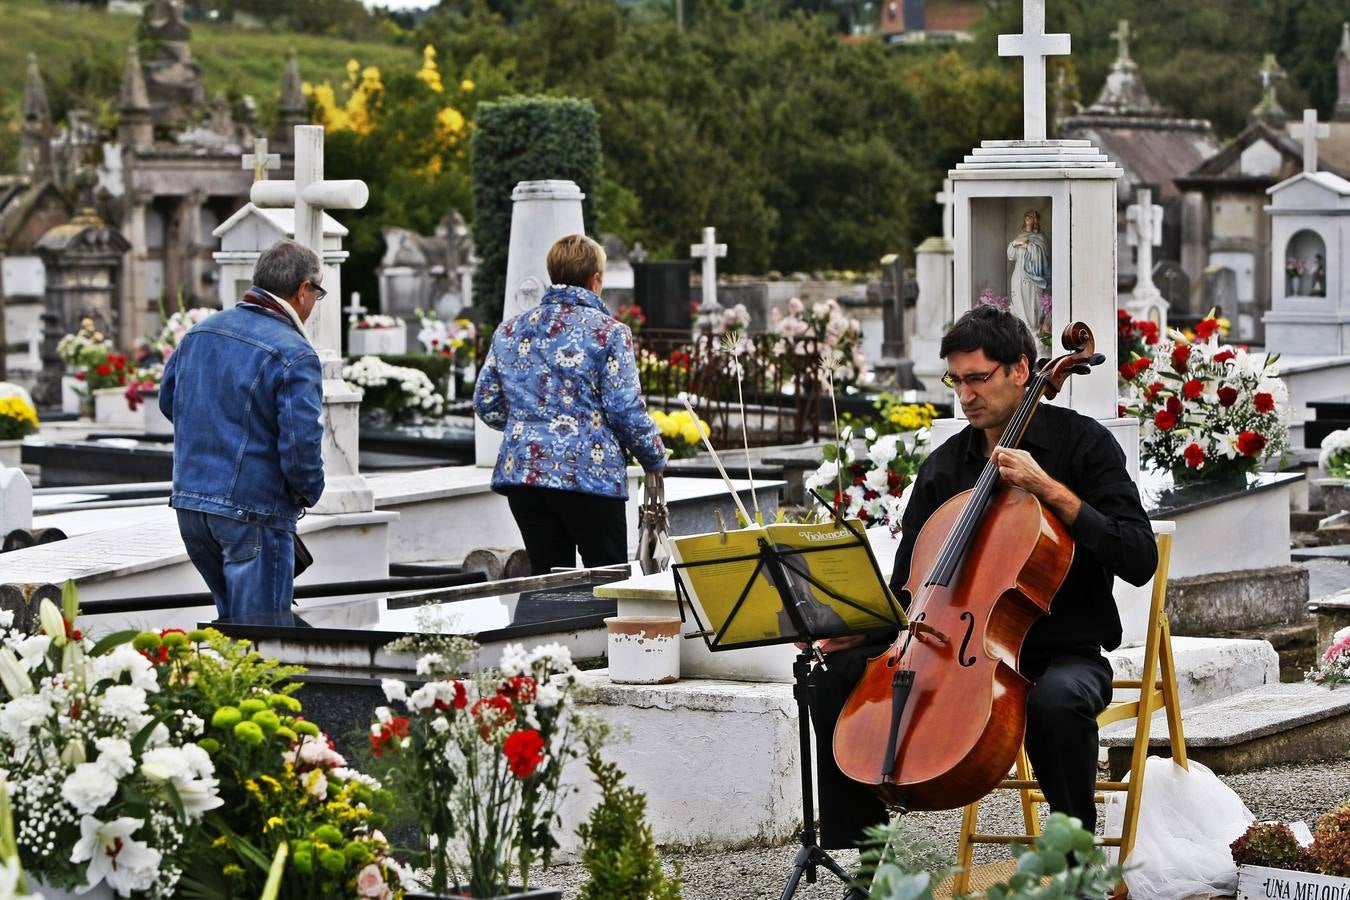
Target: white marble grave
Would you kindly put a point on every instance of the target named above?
(933, 309)
(1144, 221)
(710, 252)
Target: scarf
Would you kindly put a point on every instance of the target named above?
(266, 300)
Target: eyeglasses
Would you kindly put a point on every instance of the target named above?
(955, 381)
(319, 293)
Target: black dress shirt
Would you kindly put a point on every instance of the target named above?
(1112, 533)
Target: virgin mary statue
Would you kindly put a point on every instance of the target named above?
(1031, 270)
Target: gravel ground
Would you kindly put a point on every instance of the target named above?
(1283, 792)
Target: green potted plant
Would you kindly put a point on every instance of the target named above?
(618, 850)
(1272, 862)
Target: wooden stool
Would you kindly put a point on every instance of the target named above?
(1159, 673)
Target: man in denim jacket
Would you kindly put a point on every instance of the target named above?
(245, 393)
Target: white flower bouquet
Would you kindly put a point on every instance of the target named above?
(395, 389)
(104, 787)
(1335, 456)
(874, 487)
(175, 326)
(376, 322)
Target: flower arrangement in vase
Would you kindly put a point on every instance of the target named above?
(397, 390)
(1278, 860)
(106, 785)
(373, 322)
(873, 487)
(1333, 666)
(18, 416)
(1334, 458)
(1207, 410)
(479, 759)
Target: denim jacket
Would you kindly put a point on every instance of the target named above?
(562, 383)
(244, 391)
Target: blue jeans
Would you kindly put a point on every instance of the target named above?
(249, 568)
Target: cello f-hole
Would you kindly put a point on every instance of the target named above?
(969, 619)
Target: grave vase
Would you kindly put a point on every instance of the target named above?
(156, 423)
(11, 452)
(110, 408)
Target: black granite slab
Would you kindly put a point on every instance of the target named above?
(1164, 499)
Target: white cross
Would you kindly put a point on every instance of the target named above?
(1145, 219)
(355, 310)
(948, 200)
(260, 160)
(1033, 45)
(1122, 36)
(311, 195)
(709, 251)
(1309, 132)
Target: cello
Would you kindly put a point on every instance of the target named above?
(936, 720)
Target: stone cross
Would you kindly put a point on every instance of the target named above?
(1033, 45)
(355, 310)
(311, 195)
(345, 491)
(948, 200)
(1270, 74)
(1146, 220)
(709, 251)
(1122, 36)
(260, 160)
(1310, 131)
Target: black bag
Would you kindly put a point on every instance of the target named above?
(303, 558)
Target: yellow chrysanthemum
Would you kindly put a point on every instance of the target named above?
(466, 86)
(429, 74)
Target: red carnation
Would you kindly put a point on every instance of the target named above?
(1205, 327)
(1153, 390)
(1224, 356)
(1122, 316)
(524, 751)
(1193, 388)
(1150, 331)
(1227, 396)
(1126, 371)
(461, 695)
(1165, 420)
(1174, 406)
(1264, 402)
(1249, 443)
(104, 369)
(1195, 457)
(1181, 355)
(1120, 410)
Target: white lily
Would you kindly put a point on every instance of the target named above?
(127, 864)
(52, 623)
(13, 674)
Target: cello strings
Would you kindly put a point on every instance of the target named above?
(954, 547)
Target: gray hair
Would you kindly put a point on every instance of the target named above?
(284, 266)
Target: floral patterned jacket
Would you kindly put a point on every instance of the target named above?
(561, 381)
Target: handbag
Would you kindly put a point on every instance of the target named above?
(653, 529)
(303, 558)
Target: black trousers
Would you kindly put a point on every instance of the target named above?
(1067, 693)
(555, 525)
(846, 807)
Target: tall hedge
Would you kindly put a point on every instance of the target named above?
(525, 139)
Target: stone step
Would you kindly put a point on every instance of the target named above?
(1262, 726)
(1306, 520)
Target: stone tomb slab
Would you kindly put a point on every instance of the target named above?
(1263, 726)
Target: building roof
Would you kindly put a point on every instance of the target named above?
(1334, 183)
(1152, 151)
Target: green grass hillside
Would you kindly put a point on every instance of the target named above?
(81, 53)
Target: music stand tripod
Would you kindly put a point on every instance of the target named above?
(792, 581)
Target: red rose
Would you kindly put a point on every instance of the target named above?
(1264, 402)
(1165, 420)
(1122, 316)
(1126, 371)
(1249, 443)
(1153, 390)
(1227, 396)
(524, 751)
(1224, 356)
(1174, 406)
(1181, 355)
(104, 369)
(1195, 457)
(1120, 410)
(1205, 327)
(1193, 388)
(1150, 332)
(79, 376)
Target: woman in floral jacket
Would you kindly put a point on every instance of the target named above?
(562, 383)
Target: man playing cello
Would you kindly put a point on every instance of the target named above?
(1072, 464)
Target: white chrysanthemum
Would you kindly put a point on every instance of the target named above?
(125, 660)
(123, 701)
(21, 715)
(424, 698)
(88, 787)
(114, 756)
(514, 661)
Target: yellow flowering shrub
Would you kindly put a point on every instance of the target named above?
(17, 418)
(680, 432)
